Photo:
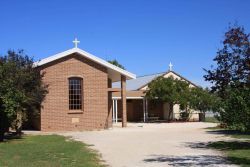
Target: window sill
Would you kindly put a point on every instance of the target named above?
(75, 112)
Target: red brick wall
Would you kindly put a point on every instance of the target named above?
(96, 106)
(155, 109)
(138, 110)
(134, 110)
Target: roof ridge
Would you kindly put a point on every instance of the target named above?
(87, 55)
(151, 74)
(184, 78)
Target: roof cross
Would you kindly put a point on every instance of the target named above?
(76, 42)
(170, 66)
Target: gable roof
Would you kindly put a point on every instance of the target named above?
(140, 82)
(113, 70)
(135, 84)
(190, 82)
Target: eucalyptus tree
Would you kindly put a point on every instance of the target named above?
(231, 78)
(170, 90)
(21, 90)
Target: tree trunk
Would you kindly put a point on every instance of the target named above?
(1, 134)
(19, 123)
(2, 127)
(171, 105)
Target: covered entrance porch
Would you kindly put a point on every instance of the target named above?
(140, 109)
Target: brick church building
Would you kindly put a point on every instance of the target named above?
(80, 91)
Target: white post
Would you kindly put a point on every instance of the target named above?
(144, 111)
(116, 112)
(113, 111)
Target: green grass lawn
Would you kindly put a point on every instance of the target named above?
(238, 152)
(211, 119)
(46, 151)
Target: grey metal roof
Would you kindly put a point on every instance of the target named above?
(139, 82)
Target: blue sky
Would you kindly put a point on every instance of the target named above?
(143, 35)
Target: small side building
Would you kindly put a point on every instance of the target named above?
(140, 109)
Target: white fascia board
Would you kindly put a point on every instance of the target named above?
(53, 58)
(83, 53)
(117, 98)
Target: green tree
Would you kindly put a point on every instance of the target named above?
(203, 100)
(236, 109)
(231, 78)
(116, 63)
(21, 90)
(232, 62)
(170, 90)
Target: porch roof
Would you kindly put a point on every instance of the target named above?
(135, 84)
(130, 94)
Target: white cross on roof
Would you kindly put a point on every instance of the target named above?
(76, 42)
(170, 66)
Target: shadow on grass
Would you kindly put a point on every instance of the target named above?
(12, 136)
(239, 160)
(221, 145)
(199, 160)
(238, 152)
(220, 129)
(226, 132)
(230, 145)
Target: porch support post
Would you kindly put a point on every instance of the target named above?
(123, 99)
(113, 111)
(116, 111)
(144, 110)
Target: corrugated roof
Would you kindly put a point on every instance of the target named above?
(141, 81)
(135, 84)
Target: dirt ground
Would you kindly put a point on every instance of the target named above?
(155, 144)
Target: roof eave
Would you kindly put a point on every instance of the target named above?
(42, 62)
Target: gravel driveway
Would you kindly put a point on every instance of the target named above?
(156, 144)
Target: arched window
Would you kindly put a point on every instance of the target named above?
(75, 93)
